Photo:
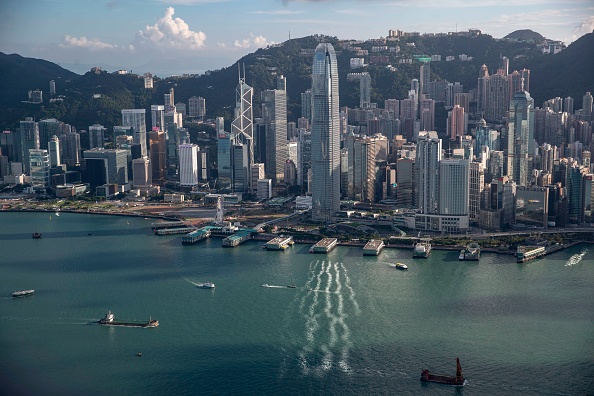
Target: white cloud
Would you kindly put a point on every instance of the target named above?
(252, 42)
(83, 42)
(587, 26)
(170, 33)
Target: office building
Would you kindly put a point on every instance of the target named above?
(54, 151)
(325, 135)
(158, 117)
(39, 167)
(274, 117)
(115, 162)
(27, 139)
(428, 155)
(96, 136)
(141, 172)
(188, 164)
(520, 130)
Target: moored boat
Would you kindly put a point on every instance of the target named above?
(23, 293)
(457, 380)
(461, 256)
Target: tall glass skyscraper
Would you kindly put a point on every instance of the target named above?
(520, 129)
(325, 135)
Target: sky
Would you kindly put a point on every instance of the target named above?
(192, 36)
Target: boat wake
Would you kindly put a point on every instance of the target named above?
(325, 305)
(576, 258)
(194, 283)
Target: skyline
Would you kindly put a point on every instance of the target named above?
(202, 35)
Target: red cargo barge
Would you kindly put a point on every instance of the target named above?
(457, 380)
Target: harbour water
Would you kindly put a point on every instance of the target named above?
(352, 326)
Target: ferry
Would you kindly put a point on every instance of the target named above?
(23, 293)
(207, 285)
(422, 248)
(109, 320)
(457, 380)
(400, 266)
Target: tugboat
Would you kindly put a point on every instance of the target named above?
(457, 380)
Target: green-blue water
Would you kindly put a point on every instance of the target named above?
(353, 325)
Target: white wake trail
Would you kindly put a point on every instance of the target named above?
(351, 291)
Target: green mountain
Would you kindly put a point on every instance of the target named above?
(99, 97)
(525, 35)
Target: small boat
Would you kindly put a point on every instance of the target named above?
(36, 235)
(457, 380)
(23, 293)
(265, 285)
(207, 285)
(291, 286)
(400, 266)
(138, 354)
(57, 214)
(461, 256)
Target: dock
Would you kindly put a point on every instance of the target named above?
(373, 247)
(324, 246)
(527, 253)
(174, 231)
(196, 236)
(167, 224)
(279, 243)
(238, 238)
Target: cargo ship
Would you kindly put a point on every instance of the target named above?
(457, 380)
(109, 320)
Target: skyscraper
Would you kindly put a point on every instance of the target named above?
(425, 77)
(54, 151)
(496, 97)
(28, 139)
(242, 127)
(274, 116)
(188, 165)
(96, 136)
(325, 135)
(427, 172)
(520, 129)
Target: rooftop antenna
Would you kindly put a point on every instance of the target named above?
(289, 35)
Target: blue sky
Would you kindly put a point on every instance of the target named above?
(184, 36)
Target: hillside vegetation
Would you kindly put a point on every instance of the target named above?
(98, 98)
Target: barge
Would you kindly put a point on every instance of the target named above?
(109, 320)
(457, 380)
(373, 247)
